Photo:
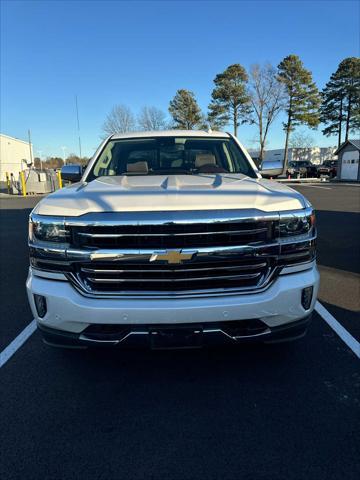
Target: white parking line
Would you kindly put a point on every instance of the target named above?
(9, 351)
(345, 336)
(316, 186)
(348, 184)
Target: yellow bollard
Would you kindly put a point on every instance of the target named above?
(59, 178)
(8, 183)
(23, 183)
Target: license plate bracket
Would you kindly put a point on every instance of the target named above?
(175, 338)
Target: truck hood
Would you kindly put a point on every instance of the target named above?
(170, 193)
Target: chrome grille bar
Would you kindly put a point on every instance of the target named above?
(191, 279)
(222, 232)
(166, 270)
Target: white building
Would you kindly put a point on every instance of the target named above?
(315, 155)
(349, 160)
(14, 154)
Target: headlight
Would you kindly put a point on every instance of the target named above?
(47, 230)
(297, 223)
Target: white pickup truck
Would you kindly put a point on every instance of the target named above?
(171, 239)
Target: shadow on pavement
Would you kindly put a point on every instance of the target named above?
(15, 312)
(338, 240)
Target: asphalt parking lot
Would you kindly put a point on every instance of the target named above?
(255, 413)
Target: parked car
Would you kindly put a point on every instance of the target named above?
(302, 169)
(171, 239)
(328, 168)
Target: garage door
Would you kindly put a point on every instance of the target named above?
(350, 165)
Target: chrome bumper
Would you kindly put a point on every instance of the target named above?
(172, 337)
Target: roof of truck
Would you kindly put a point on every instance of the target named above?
(171, 133)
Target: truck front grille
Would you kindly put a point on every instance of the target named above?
(212, 268)
(173, 253)
(201, 275)
(175, 235)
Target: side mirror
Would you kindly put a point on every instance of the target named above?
(271, 169)
(71, 173)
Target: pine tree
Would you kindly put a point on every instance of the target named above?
(332, 108)
(230, 101)
(217, 117)
(341, 100)
(349, 73)
(303, 98)
(185, 111)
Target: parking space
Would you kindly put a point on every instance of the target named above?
(338, 218)
(254, 412)
(15, 313)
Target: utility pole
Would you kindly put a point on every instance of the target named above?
(78, 123)
(30, 149)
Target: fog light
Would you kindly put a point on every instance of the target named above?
(306, 297)
(40, 303)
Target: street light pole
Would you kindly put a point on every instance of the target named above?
(30, 146)
(63, 149)
(41, 165)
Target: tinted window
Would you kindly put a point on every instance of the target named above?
(171, 156)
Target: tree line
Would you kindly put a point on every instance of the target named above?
(257, 97)
(58, 162)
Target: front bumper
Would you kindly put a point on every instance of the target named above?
(180, 336)
(70, 312)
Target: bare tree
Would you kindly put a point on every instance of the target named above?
(267, 99)
(74, 159)
(152, 118)
(301, 144)
(301, 140)
(119, 120)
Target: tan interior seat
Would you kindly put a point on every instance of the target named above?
(177, 163)
(138, 167)
(202, 159)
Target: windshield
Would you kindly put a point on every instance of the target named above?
(171, 156)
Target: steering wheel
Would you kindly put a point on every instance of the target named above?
(211, 168)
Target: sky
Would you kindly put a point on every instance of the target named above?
(140, 53)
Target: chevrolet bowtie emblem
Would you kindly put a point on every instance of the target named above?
(172, 256)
